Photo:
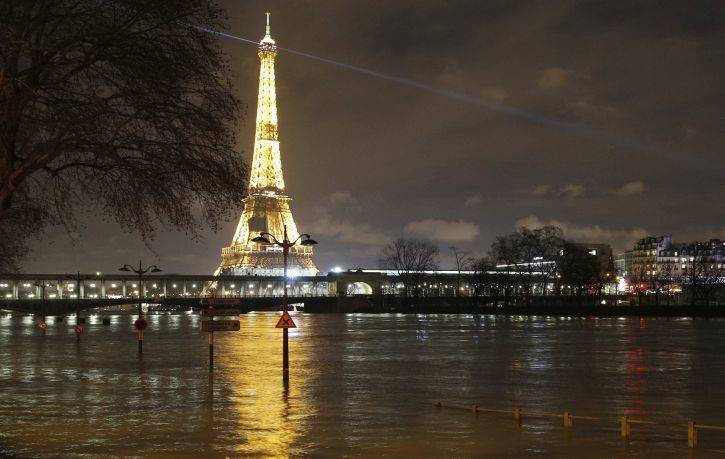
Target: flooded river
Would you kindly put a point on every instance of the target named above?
(360, 386)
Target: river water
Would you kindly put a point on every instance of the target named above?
(360, 386)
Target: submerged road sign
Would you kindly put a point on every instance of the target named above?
(286, 321)
(219, 325)
(221, 312)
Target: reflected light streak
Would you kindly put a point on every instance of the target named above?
(562, 124)
(270, 417)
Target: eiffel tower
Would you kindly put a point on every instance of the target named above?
(266, 207)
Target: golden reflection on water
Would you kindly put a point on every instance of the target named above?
(271, 415)
(360, 385)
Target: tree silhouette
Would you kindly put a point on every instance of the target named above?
(118, 106)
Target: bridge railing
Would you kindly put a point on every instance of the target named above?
(34, 287)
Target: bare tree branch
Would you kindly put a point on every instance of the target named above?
(114, 104)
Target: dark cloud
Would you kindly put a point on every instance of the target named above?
(364, 157)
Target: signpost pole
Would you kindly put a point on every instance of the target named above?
(211, 350)
(210, 325)
(211, 338)
(140, 310)
(42, 321)
(79, 327)
(285, 334)
(285, 353)
(285, 321)
(140, 324)
(42, 325)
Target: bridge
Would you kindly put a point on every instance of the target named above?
(62, 293)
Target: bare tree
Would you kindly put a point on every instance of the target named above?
(704, 272)
(712, 278)
(661, 278)
(116, 104)
(602, 276)
(551, 244)
(505, 254)
(578, 268)
(529, 255)
(528, 246)
(410, 258)
(485, 277)
(464, 261)
(538, 250)
(639, 281)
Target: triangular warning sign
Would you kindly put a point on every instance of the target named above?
(286, 321)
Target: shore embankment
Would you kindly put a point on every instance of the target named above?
(568, 307)
(546, 306)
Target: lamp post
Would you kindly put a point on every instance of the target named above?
(286, 244)
(140, 323)
(42, 325)
(79, 321)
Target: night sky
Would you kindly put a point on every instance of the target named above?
(367, 160)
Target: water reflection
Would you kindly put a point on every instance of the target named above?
(361, 385)
(270, 413)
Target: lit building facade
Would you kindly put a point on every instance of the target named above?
(267, 206)
(646, 253)
(623, 263)
(696, 258)
(663, 259)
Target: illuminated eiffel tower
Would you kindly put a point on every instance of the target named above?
(266, 207)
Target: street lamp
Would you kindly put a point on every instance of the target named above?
(286, 244)
(269, 239)
(42, 284)
(140, 324)
(79, 320)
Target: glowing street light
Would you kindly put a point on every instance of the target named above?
(77, 289)
(140, 271)
(269, 239)
(42, 285)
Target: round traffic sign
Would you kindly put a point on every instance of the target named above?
(42, 325)
(140, 324)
